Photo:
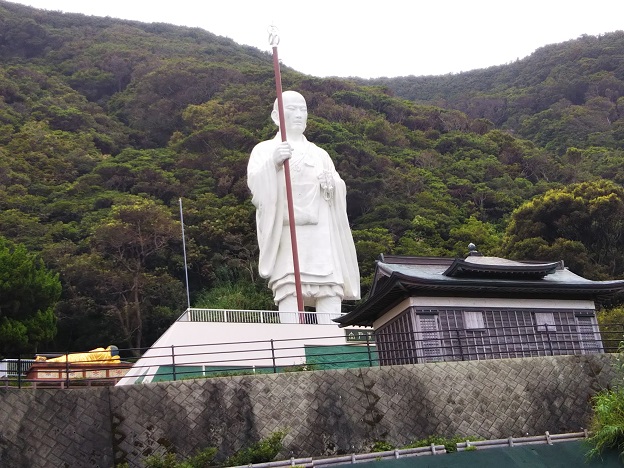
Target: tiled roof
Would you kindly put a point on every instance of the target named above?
(397, 278)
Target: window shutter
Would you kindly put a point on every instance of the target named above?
(428, 338)
(588, 335)
(473, 320)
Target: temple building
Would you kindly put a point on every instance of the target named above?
(427, 309)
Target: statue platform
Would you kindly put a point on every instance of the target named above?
(237, 340)
(73, 374)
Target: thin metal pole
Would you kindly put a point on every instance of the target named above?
(274, 41)
(173, 365)
(549, 343)
(370, 357)
(67, 369)
(461, 349)
(19, 370)
(273, 357)
(188, 296)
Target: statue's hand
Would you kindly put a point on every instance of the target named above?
(282, 152)
(328, 185)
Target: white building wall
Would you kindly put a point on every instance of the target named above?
(217, 344)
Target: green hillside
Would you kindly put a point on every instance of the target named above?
(561, 96)
(106, 124)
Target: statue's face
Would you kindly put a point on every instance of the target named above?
(295, 113)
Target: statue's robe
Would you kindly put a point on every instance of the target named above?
(327, 258)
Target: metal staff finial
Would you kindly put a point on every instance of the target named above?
(273, 36)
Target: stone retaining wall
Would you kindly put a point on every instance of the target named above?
(324, 412)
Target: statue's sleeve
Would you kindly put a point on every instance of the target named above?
(342, 232)
(262, 179)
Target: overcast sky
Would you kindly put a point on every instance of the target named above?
(369, 38)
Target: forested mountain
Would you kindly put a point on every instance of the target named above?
(561, 96)
(107, 124)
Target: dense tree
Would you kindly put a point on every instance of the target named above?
(28, 294)
(581, 224)
(127, 242)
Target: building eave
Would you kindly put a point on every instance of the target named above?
(399, 286)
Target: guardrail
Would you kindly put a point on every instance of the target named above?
(305, 354)
(547, 438)
(310, 462)
(14, 367)
(256, 316)
(353, 458)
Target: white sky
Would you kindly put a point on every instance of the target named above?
(372, 38)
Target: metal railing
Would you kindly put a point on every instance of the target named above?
(352, 458)
(256, 316)
(14, 367)
(432, 449)
(547, 438)
(305, 354)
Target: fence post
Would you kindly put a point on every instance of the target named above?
(370, 357)
(173, 367)
(273, 357)
(461, 349)
(549, 343)
(67, 370)
(19, 371)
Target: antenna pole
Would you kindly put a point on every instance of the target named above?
(188, 296)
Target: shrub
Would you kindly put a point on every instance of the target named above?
(607, 424)
(450, 444)
(203, 459)
(263, 451)
(382, 446)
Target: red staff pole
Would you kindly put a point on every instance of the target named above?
(274, 41)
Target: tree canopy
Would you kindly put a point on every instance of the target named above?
(28, 294)
(580, 223)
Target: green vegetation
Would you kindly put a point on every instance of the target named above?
(611, 323)
(262, 451)
(240, 296)
(203, 459)
(382, 446)
(265, 450)
(28, 293)
(563, 96)
(450, 443)
(579, 222)
(607, 424)
(107, 124)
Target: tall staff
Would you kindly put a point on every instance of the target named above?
(274, 41)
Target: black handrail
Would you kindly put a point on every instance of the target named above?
(282, 355)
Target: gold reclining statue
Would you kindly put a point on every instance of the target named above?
(104, 355)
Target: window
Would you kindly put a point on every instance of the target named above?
(589, 335)
(545, 321)
(473, 320)
(428, 341)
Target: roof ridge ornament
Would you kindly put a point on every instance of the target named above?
(472, 251)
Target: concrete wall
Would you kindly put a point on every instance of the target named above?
(324, 412)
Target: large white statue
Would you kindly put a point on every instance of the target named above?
(327, 259)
